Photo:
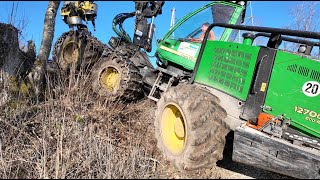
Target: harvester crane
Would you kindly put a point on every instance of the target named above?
(123, 72)
(143, 31)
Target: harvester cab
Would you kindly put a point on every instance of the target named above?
(176, 53)
(176, 47)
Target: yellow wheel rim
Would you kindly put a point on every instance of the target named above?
(69, 53)
(110, 79)
(173, 128)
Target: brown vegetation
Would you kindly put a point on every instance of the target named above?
(76, 134)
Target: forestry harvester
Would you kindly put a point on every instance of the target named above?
(267, 96)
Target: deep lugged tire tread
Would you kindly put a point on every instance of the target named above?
(91, 49)
(130, 83)
(206, 136)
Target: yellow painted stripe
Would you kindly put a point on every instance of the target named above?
(178, 53)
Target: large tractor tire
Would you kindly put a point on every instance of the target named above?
(189, 127)
(68, 49)
(78, 48)
(116, 78)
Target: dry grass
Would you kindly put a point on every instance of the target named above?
(75, 134)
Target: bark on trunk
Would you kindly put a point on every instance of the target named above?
(15, 64)
(47, 37)
(14, 61)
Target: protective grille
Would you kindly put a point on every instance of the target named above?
(292, 68)
(229, 68)
(315, 75)
(303, 71)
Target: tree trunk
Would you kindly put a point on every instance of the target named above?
(9, 53)
(15, 63)
(47, 37)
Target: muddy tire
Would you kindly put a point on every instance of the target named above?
(83, 52)
(189, 127)
(69, 51)
(115, 78)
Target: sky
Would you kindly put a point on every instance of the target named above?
(265, 13)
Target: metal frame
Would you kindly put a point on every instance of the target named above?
(289, 32)
(301, 41)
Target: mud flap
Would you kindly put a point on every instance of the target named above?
(257, 149)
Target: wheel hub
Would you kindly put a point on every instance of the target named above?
(173, 129)
(110, 79)
(70, 53)
(179, 127)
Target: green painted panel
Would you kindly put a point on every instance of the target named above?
(170, 51)
(288, 91)
(228, 67)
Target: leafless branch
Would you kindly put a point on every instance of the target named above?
(305, 17)
(18, 19)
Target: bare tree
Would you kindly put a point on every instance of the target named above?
(305, 17)
(47, 36)
(18, 19)
(13, 13)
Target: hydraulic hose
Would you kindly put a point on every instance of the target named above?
(118, 20)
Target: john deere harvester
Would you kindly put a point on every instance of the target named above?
(206, 87)
(269, 97)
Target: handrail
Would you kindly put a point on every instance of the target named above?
(288, 32)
